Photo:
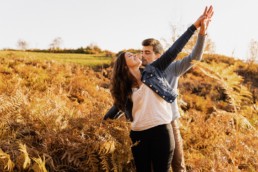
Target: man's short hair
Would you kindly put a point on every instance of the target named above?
(157, 47)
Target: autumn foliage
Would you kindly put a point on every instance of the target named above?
(51, 117)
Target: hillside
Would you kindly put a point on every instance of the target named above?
(51, 116)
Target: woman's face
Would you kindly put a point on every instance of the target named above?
(133, 60)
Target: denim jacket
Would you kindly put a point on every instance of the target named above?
(153, 75)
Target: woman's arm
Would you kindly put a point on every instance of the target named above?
(170, 55)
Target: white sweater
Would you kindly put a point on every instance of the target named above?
(149, 109)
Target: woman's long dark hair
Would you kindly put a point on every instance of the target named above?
(121, 82)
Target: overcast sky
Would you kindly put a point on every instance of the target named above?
(122, 24)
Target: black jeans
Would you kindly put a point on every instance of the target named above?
(153, 147)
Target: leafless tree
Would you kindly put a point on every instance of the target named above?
(253, 51)
(177, 29)
(22, 44)
(56, 44)
(209, 44)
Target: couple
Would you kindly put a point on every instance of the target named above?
(147, 97)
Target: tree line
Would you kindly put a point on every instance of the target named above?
(56, 44)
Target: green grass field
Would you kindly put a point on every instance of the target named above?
(83, 59)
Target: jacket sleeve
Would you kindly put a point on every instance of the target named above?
(170, 55)
(113, 113)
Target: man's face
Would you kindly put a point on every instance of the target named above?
(148, 55)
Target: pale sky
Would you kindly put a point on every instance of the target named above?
(122, 24)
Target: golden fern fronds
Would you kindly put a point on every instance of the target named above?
(107, 147)
(2, 99)
(93, 161)
(228, 80)
(104, 162)
(25, 156)
(50, 162)
(113, 161)
(53, 103)
(242, 121)
(49, 105)
(11, 104)
(39, 164)
(73, 157)
(6, 161)
(51, 111)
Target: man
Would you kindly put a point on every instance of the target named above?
(152, 50)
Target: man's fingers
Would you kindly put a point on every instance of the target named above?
(210, 9)
(211, 14)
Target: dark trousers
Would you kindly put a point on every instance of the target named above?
(153, 148)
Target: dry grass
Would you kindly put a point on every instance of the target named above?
(51, 119)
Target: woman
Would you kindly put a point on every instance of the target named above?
(149, 95)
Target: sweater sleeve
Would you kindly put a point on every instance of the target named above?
(170, 55)
(181, 66)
